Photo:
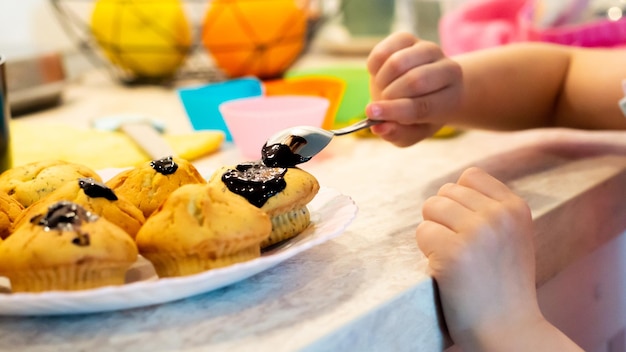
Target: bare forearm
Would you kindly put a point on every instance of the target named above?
(538, 85)
(538, 336)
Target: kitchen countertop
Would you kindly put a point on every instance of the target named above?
(369, 288)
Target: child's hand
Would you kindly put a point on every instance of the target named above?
(477, 235)
(413, 86)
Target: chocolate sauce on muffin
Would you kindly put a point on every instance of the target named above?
(255, 181)
(95, 189)
(66, 216)
(164, 166)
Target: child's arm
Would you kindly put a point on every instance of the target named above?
(530, 85)
(418, 89)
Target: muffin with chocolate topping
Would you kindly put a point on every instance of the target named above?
(30, 182)
(150, 183)
(97, 198)
(199, 228)
(66, 248)
(283, 193)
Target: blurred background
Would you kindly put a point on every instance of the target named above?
(180, 42)
(29, 27)
(341, 27)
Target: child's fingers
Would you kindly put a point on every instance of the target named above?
(447, 212)
(484, 183)
(432, 237)
(424, 109)
(409, 61)
(405, 60)
(391, 44)
(426, 79)
(466, 196)
(404, 135)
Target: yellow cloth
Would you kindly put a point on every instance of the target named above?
(98, 149)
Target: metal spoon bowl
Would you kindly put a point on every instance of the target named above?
(299, 144)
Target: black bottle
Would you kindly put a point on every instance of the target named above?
(6, 157)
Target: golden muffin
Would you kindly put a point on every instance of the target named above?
(150, 183)
(95, 197)
(30, 182)
(199, 228)
(283, 193)
(66, 248)
(10, 211)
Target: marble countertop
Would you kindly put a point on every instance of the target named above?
(369, 288)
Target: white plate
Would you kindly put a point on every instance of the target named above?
(331, 213)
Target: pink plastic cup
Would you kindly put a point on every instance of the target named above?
(251, 121)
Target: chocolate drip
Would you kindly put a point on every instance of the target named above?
(281, 155)
(164, 166)
(255, 181)
(66, 216)
(95, 189)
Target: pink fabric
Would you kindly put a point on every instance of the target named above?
(480, 24)
(599, 33)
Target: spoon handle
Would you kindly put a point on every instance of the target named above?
(365, 123)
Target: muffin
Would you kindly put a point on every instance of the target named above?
(30, 182)
(95, 197)
(66, 248)
(10, 211)
(149, 184)
(283, 193)
(199, 228)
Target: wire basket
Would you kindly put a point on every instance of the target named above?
(74, 17)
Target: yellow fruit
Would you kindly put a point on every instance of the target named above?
(148, 38)
(254, 37)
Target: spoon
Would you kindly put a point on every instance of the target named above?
(299, 144)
